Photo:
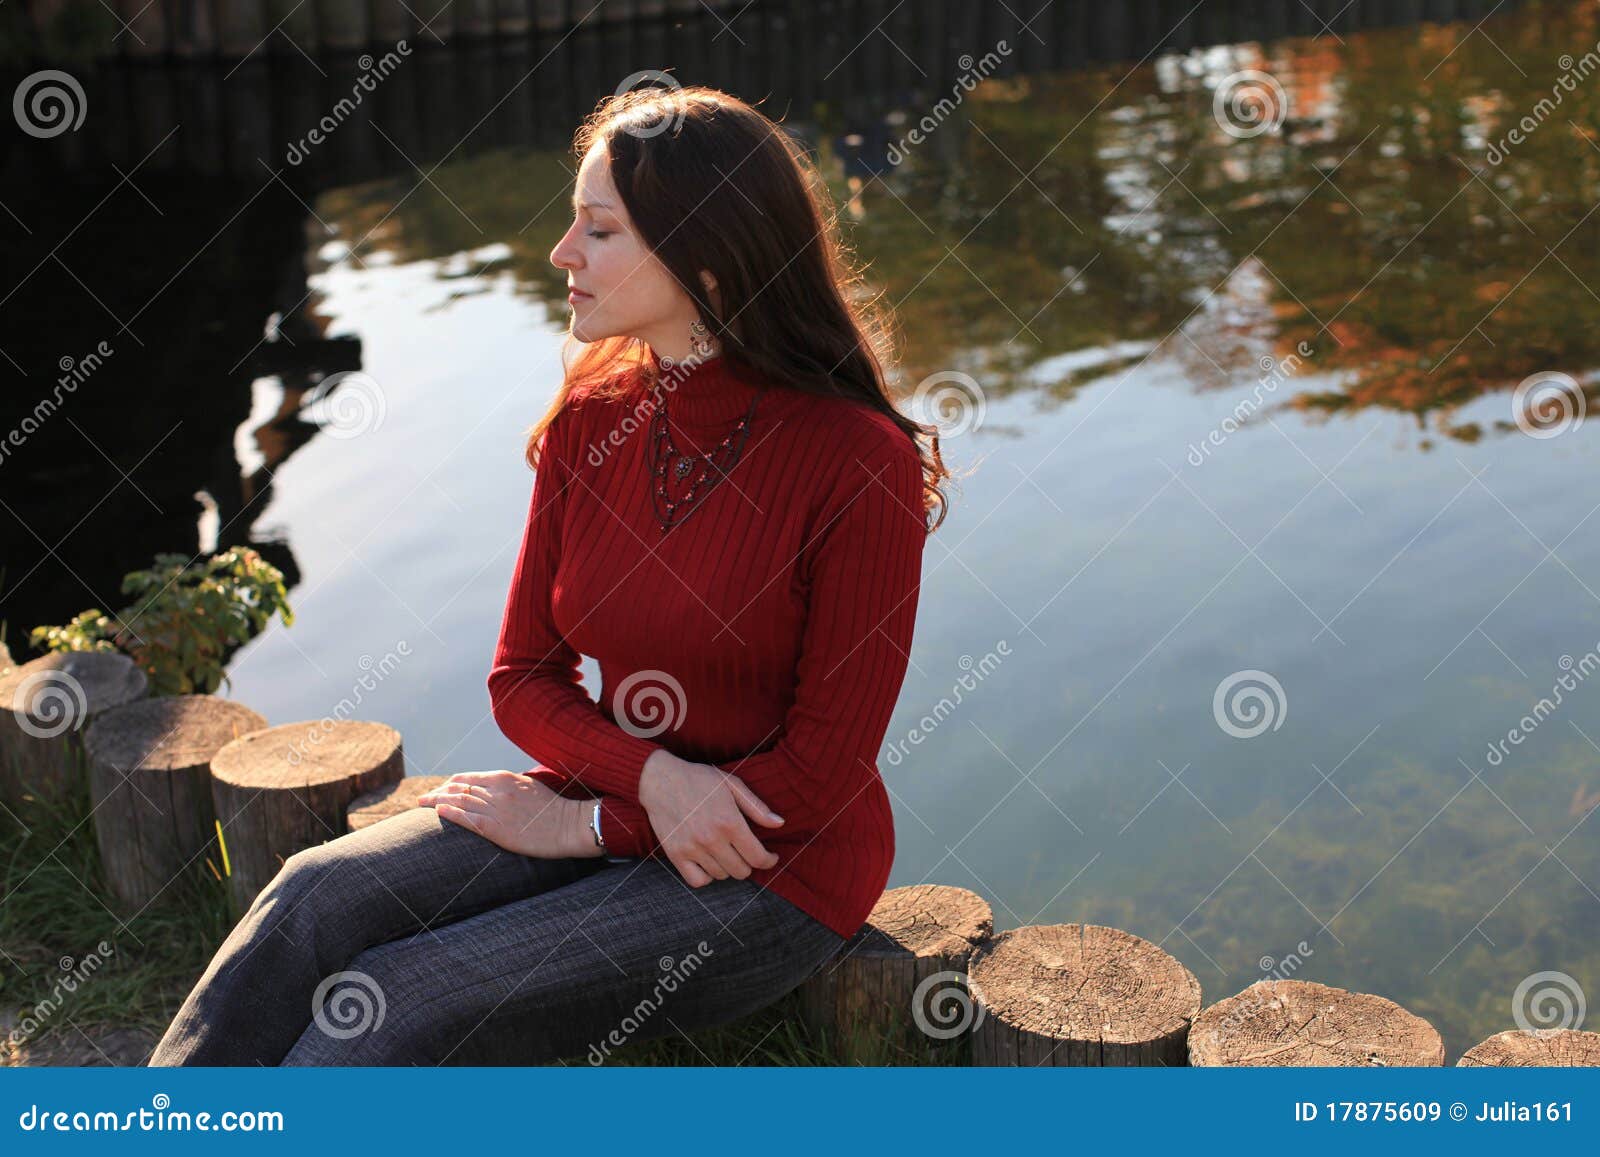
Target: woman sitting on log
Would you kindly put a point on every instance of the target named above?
(728, 514)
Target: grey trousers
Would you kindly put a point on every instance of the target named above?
(417, 941)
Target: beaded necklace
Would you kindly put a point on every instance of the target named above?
(665, 457)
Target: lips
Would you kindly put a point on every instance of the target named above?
(576, 294)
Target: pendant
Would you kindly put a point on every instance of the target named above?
(682, 467)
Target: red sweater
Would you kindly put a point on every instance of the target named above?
(767, 634)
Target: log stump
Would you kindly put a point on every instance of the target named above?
(389, 800)
(150, 784)
(1299, 1022)
(896, 992)
(1080, 994)
(1535, 1048)
(287, 788)
(44, 707)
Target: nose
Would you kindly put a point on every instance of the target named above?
(565, 254)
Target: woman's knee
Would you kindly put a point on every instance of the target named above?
(311, 891)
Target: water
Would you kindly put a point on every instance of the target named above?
(1380, 546)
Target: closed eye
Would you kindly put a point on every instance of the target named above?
(600, 234)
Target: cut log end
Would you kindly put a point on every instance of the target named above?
(1535, 1048)
(62, 690)
(288, 788)
(1299, 1022)
(390, 800)
(303, 755)
(924, 920)
(1080, 994)
(169, 734)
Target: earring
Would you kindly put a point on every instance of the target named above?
(700, 339)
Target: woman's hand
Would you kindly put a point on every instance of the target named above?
(698, 813)
(515, 812)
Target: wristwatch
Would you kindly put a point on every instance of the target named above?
(594, 826)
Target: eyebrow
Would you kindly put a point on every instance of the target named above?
(589, 204)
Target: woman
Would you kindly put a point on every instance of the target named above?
(728, 513)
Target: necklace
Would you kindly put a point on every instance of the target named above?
(666, 459)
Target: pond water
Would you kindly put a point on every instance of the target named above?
(1243, 416)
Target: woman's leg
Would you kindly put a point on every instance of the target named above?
(628, 953)
(405, 876)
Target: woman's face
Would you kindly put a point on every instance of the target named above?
(616, 285)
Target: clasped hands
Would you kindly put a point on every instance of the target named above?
(700, 813)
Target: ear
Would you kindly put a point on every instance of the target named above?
(707, 282)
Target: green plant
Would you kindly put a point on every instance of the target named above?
(185, 617)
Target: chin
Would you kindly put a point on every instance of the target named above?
(587, 330)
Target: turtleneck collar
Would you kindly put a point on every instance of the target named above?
(710, 392)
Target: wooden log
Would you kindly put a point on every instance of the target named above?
(1279, 1023)
(1534, 1048)
(1080, 994)
(896, 993)
(389, 800)
(44, 707)
(287, 788)
(150, 783)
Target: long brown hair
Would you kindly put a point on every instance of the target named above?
(796, 309)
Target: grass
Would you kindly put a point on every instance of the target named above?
(56, 908)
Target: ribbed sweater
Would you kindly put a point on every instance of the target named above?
(767, 634)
